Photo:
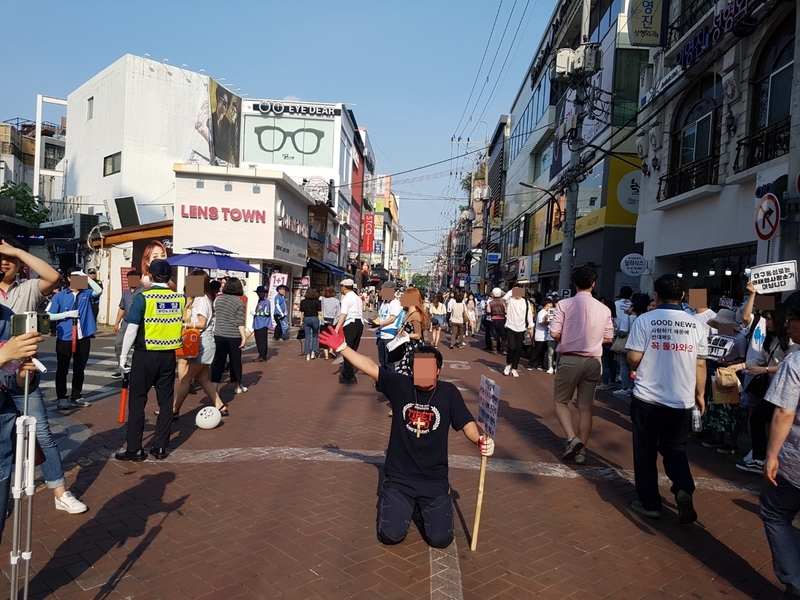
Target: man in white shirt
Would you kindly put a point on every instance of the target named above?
(668, 349)
(388, 311)
(351, 322)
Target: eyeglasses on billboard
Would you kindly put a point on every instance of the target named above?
(305, 141)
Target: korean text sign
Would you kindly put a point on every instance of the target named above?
(489, 403)
(775, 277)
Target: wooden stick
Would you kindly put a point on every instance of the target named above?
(478, 508)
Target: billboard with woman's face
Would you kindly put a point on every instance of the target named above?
(147, 250)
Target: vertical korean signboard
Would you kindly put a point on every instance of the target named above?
(368, 237)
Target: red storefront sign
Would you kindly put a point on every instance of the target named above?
(368, 237)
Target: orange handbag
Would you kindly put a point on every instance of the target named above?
(191, 344)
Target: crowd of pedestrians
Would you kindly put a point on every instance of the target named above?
(655, 353)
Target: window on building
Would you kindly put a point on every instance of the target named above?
(626, 85)
(773, 78)
(112, 164)
(90, 108)
(697, 121)
(543, 160)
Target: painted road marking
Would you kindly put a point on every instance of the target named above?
(500, 465)
(445, 573)
(461, 365)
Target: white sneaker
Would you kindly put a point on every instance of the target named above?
(622, 392)
(241, 390)
(507, 370)
(514, 373)
(748, 457)
(550, 371)
(70, 504)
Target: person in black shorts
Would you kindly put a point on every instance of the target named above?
(415, 483)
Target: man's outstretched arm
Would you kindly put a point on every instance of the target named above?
(335, 340)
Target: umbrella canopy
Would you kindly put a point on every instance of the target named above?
(203, 260)
(213, 249)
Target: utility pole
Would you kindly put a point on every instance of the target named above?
(574, 176)
(577, 67)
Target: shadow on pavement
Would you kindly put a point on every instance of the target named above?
(123, 518)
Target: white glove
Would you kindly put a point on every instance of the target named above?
(71, 314)
(123, 364)
(485, 445)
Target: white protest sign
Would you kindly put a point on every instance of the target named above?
(489, 403)
(719, 345)
(726, 303)
(632, 264)
(775, 277)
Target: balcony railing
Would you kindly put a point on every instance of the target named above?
(688, 178)
(691, 13)
(765, 144)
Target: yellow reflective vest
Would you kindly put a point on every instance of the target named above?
(163, 319)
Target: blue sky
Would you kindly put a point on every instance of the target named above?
(408, 67)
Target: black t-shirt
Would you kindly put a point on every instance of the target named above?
(422, 459)
(310, 308)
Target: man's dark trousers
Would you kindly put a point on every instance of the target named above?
(151, 368)
(352, 335)
(262, 341)
(79, 359)
(659, 429)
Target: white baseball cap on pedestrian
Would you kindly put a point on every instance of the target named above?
(497, 293)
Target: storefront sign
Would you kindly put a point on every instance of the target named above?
(775, 277)
(213, 213)
(287, 221)
(333, 244)
(296, 110)
(632, 264)
(492, 258)
(646, 23)
(379, 226)
(355, 228)
(368, 237)
(378, 249)
(710, 35)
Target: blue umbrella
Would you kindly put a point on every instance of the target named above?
(204, 260)
(211, 249)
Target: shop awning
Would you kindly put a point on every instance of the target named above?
(326, 267)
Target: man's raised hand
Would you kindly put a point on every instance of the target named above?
(331, 338)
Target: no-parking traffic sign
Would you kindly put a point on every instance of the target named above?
(768, 216)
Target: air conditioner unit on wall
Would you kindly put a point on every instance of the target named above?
(565, 58)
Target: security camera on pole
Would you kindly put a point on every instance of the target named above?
(576, 67)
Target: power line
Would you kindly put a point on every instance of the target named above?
(478, 74)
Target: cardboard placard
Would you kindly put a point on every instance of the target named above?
(425, 370)
(387, 294)
(518, 292)
(79, 282)
(719, 346)
(195, 285)
(408, 299)
(134, 281)
(489, 403)
(775, 277)
(726, 303)
(698, 298)
(764, 302)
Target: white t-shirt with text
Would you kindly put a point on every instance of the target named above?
(671, 342)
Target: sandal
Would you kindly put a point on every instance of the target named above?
(176, 416)
(224, 411)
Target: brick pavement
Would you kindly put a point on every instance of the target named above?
(285, 524)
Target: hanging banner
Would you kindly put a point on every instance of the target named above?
(368, 237)
(646, 23)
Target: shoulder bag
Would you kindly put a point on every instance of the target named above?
(619, 343)
(759, 384)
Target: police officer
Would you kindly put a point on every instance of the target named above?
(155, 324)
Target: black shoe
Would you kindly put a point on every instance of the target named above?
(116, 375)
(352, 381)
(158, 453)
(137, 456)
(686, 512)
(260, 359)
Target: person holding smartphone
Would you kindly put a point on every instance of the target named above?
(19, 296)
